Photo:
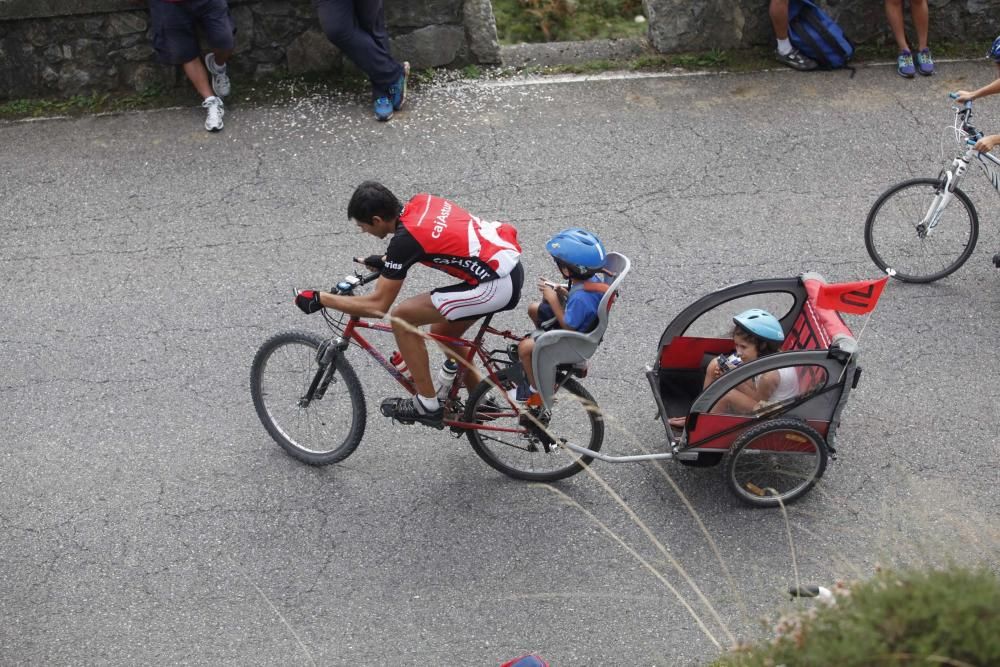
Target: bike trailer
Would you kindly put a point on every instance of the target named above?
(786, 443)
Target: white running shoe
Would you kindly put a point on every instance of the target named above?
(220, 79)
(216, 110)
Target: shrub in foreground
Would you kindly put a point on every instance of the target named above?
(936, 617)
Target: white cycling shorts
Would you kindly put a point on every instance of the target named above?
(469, 302)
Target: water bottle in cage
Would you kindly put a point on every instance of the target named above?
(396, 359)
(445, 377)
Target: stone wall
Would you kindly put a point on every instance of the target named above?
(700, 25)
(58, 48)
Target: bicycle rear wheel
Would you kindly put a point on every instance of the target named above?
(896, 239)
(525, 451)
(320, 431)
(775, 461)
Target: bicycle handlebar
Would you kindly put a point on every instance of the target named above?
(347, 285)
(967, 104)
(963, 120)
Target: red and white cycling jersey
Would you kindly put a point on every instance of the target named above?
(443, 236)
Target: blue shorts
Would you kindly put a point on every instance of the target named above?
(175, 24)
(546, 317)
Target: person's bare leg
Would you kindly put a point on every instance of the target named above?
(779, 18)
(918, 11)
(524, 351)
(894, 15)
(533, 313)
(454, 329)
(198, 76)
(407, 317)
(734, 402)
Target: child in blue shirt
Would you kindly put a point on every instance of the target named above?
(580, 256)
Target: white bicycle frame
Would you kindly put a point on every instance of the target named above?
(952, 177)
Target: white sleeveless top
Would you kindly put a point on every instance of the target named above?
(788, 385)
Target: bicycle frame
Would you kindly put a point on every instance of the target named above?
(474, 350)
(951, 177)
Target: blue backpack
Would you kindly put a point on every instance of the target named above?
(818, 36)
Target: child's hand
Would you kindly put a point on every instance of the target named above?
(986, 144)
(963, 96)
(543, 283)
(714, 372)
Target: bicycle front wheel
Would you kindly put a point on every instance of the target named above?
(519, 448)
(320, 430)
(775, 461)
(896, 235)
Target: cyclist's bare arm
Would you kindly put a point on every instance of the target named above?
(989, 89)
(373, 304)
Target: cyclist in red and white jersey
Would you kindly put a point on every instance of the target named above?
(435, 232)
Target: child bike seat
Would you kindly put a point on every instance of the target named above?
(561, 347)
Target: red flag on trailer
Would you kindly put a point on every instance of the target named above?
(857, 298)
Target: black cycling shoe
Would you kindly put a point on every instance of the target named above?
(405, 411)
(996, 260)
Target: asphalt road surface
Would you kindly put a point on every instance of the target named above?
(148, 518)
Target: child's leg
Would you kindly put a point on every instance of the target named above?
(894, 14)
(533, 313)
(918, 10)
(524, 351)
(734, 402)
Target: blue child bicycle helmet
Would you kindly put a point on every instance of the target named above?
(994, 53)
(578, 250)
(760, 323)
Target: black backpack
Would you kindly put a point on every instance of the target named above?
(817, 36)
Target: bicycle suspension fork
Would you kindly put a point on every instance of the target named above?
(326, 367)
(949, 180)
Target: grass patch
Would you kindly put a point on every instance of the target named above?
(566, 20)
(86, 104)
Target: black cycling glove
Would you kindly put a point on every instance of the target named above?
(374, 262)
(308, 301)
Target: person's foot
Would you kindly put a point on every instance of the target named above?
(925, 64)
(383, 108)
(220, 79)
(409, 410)
(796, 60)
(397, 92)
(904, 65)
(523, 392)
(216, 110)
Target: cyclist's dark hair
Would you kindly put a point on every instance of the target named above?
(763, 345)
(371, 199)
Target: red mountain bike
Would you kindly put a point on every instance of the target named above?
(311, 402)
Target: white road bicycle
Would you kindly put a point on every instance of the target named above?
(926, 228)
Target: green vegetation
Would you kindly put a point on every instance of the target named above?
(83, 104)
(566, 20)
(938, 617)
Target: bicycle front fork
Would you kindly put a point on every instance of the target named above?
(326, 367)
(949, 183)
